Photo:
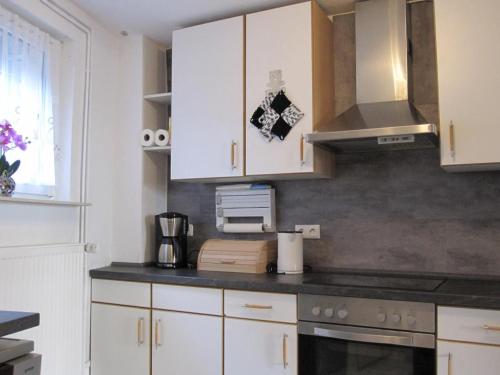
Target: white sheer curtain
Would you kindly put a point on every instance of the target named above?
(29, 64)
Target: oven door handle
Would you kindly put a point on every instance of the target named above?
(364, 337)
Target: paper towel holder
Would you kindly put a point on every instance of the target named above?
(245, 210)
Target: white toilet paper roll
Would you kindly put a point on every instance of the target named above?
(148, 138)
(243, 228)
(161, 137)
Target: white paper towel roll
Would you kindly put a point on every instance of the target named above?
(161, 137)
(148, 138)
(243, 228)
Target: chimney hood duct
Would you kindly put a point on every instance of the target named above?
(384, 117)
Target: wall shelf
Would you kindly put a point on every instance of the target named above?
(162, 98)
(42, 202)
(159, 149)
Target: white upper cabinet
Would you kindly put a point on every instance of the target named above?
(212, 137)
(297, 40)
(467, 34)
(208, 100)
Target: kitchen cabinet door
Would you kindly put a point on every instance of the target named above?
(295, 39)
(186, 344)
(468, 76)
(252, 347)
(120, 340)
(208, 100)
(466, 359)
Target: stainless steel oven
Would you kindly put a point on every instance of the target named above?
(358, 336)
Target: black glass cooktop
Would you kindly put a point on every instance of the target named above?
(386, 282)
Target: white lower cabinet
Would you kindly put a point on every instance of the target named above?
(178, 330)
(120, 340)
(186, 344)
(468, 341)
(467, 359)
(252, 347)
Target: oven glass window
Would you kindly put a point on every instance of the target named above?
(326, 356)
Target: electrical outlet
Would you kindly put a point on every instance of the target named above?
(309, 232)
(191, 230)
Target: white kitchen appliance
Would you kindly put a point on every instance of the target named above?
(245, 209)
(290, 252)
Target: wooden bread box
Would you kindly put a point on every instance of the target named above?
(237, 256)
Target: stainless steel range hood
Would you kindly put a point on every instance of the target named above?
(384, 116)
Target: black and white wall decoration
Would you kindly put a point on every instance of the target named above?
(276, 116)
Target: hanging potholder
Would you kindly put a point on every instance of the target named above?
(276, 116)
(267, 121)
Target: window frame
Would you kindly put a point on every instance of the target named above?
(76, 39)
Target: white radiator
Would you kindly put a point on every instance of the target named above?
(50, 280)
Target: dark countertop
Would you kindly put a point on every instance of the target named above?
(13, 321)
(450, 291)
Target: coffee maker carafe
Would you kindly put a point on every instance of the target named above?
(171, 240)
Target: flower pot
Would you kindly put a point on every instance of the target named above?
(7, 185)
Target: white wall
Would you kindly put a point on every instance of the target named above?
(125, 186)
(34, 225)
(103, 127)
(28, 225)
(127, 225)
(103, 131)
(155, 165)
(140, 178)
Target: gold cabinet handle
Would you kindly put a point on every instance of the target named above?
(227, 262)
(285, 351)
(448, 361)
(302, 161)
(452, 139)
(157, 333)
(258, 307)
(234, 154)
(140, 331)
(491, 328)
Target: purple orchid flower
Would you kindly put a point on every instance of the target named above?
(9, 140)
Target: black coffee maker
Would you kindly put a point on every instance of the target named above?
(171, 240)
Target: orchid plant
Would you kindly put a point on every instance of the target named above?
(9, 140)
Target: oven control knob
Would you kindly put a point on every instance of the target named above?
(411, 320)
(396, 318)
(381, 317)
(316, 310)
(329, 312)
(342, 313)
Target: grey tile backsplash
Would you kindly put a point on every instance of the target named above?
(386, 211)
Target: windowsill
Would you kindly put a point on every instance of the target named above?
(42, 202)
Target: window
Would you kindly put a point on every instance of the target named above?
(29, 86)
